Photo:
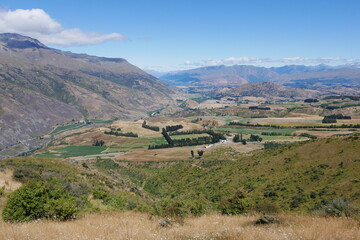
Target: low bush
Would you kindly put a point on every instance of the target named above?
(2, 190)
(37, 200)
(336, 208)
(235, 204)
(266, 207)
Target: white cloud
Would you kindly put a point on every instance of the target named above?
(252, 60)
(38, 24)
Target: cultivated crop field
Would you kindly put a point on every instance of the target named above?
(189, 136)
(72, 151)
(65, 128)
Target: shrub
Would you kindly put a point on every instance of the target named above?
(197, 209)
(271, 145)
(175, 209)
(308, 135)
(254, 138)
(98, 143)
(37, 200)
(2, 190)
(61, 208)
(236, 138)
(100, 194)
(236, 204)
(337, 208)
(23, 175)
(115, 202)
(266, 207)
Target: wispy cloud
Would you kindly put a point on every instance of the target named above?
(252, 60)
(38, 24)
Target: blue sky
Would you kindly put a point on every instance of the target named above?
(170, 35)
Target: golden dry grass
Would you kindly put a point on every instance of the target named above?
(290, 120)
(135, 127)
(166, 154)
(137, 226)
(324, 134)
(7, 181)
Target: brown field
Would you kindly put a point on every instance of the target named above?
(165, 154)
(303, 119)
(88, 138)
(183, 153)
(169, 121)
(239, 147)
(137, 226)
(209, 104)
(353, 120)
(326, 133)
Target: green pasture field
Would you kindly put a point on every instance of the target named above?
(189, 136)
(257, 131)
(101, 121)
(65, 128)
(72, 151)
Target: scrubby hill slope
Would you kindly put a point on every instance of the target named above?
(301, 177)
(298, 177)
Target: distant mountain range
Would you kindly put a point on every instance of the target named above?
(41, 87)
(326, 79)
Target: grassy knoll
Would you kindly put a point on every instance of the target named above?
(72, 151)
(65, 128)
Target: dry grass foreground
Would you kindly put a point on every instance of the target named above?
(137, 226)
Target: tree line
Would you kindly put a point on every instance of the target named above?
(117, 133)
(297, 127)
(259, 108)
(213, 138)
(153, 128)
(332, 118)
(173, 128)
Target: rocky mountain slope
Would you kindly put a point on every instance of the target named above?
(41, 87)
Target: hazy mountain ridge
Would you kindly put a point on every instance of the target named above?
(220, 75)
(323, 78)
(42, 86)
(265, 89)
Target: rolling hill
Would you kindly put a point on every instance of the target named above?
(42, 86)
